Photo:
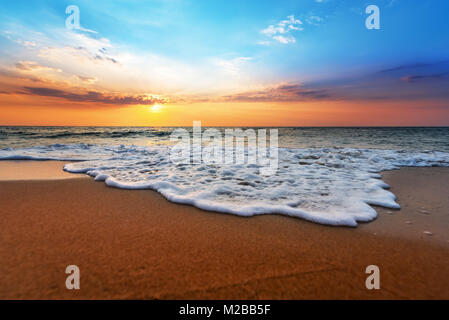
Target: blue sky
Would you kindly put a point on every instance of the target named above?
(191, 30)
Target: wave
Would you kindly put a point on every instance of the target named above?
(49, 134)
(335, 186)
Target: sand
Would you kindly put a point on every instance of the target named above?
(34, 170)
(137, 245)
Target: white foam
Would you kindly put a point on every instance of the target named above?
(334, 186)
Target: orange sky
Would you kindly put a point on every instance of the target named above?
(64, 85)
(273, 66)
(31, 110)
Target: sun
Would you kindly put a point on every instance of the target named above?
(156, 108)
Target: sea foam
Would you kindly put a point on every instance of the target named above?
(335, 186)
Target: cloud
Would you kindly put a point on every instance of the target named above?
(412, 66)
(11, 77)
(419, 71)
(232, 66)
(415, 78)
(80, 53)
(29, 43)
(314, 20)
(95, 63)
(281, 31)
(280, 93)
(285, 40)
(88, 80)
(93, 96)
(25, 43)
(34, 66)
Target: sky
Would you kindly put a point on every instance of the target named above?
(225, 63)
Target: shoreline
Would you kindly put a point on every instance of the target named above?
(138, 245)
(35, 170)
(424, 213)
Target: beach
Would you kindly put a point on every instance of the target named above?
(224, 150)
(134, 244)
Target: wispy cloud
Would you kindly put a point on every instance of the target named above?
(94, 63)
(419, 71)
(81, 46)
(88, 80)
(34, 66)
(415, 78)
(92, 96)
(314, 20)
(281, 32)
(286, 92)
(29, 43)
(416, 65)
(232, 66)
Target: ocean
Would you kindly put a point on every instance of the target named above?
(325, 175)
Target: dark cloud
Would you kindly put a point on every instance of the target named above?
(415, 78)
(407, 67)
(412, 66)
(419, 71)
(286, 92)
(92, 96)
(105, 58)
(430, 79)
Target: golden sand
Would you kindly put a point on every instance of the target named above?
(136, 244)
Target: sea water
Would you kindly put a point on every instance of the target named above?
(325, 175)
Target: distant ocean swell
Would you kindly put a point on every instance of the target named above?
(87, 134)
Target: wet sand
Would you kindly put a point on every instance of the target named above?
(34, 170)
(137, 245)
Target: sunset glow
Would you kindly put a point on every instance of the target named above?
(308, 64)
